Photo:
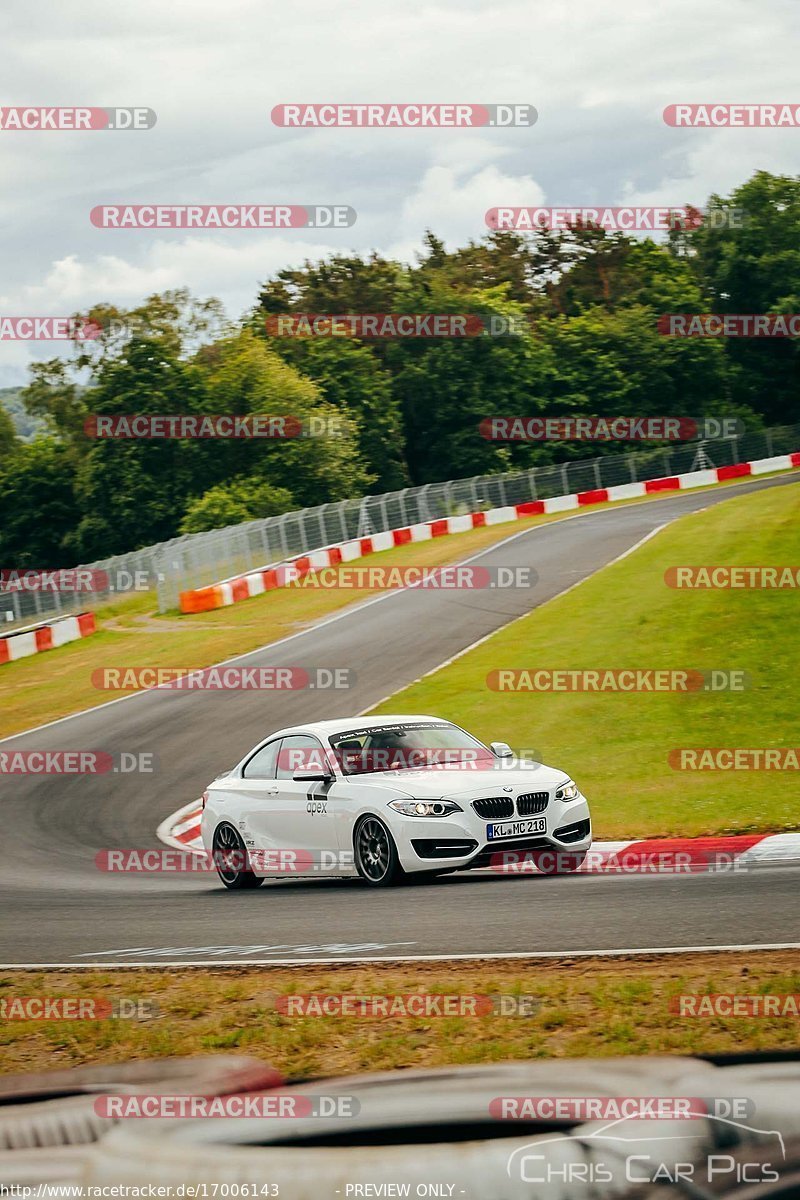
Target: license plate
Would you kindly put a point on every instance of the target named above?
(505, 829)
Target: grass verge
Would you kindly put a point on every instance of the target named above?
(587, 1006)
(617, 745)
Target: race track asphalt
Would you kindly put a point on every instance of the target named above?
(59, 908)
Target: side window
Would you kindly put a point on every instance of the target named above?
(262, 764)
(300, 752)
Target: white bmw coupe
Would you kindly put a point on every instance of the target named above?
(385, 798)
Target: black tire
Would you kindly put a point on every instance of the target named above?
(376, 854)
(231, 861)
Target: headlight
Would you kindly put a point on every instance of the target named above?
(425, 808)
(568, 791)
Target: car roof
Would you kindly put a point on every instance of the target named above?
(345, 724)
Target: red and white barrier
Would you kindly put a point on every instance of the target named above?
(243, 587)
(46, 637)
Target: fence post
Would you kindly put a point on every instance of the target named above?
(564, 479)
(501, 487)
(265, 525)
(282, 534)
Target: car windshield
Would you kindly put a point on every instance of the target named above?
(408, 746)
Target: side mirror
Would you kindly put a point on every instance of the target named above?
(313, 775)
(501, 749)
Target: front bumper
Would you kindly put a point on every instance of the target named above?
(460, 841)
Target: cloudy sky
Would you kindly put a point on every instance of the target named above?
(599, 75)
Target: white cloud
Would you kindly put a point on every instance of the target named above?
(599, 76)
(455, 205)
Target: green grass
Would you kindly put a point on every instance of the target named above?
(616, 745)
(595, 1007)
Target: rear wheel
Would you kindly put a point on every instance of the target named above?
(231, 861)
(376, 854)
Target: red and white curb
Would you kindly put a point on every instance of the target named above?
(46, 637)
(656, 856)
(182, 828)
(243, 587)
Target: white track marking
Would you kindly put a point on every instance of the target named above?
(476, 956)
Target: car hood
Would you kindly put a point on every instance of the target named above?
(435, 782)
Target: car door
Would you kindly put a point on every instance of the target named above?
(255, 793)
(294, 815)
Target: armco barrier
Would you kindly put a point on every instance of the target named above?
(46, 637)
(243, 587)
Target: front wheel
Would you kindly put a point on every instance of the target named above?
(376, 854)
(231, 861)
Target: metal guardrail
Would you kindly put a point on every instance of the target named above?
(198, 559)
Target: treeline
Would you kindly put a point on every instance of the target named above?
(406, 411)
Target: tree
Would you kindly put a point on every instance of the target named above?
(243, 374)
(351, 379)
(38, 506)
(132, 492)
(8, 437)
(747, 259)
(235, 502)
